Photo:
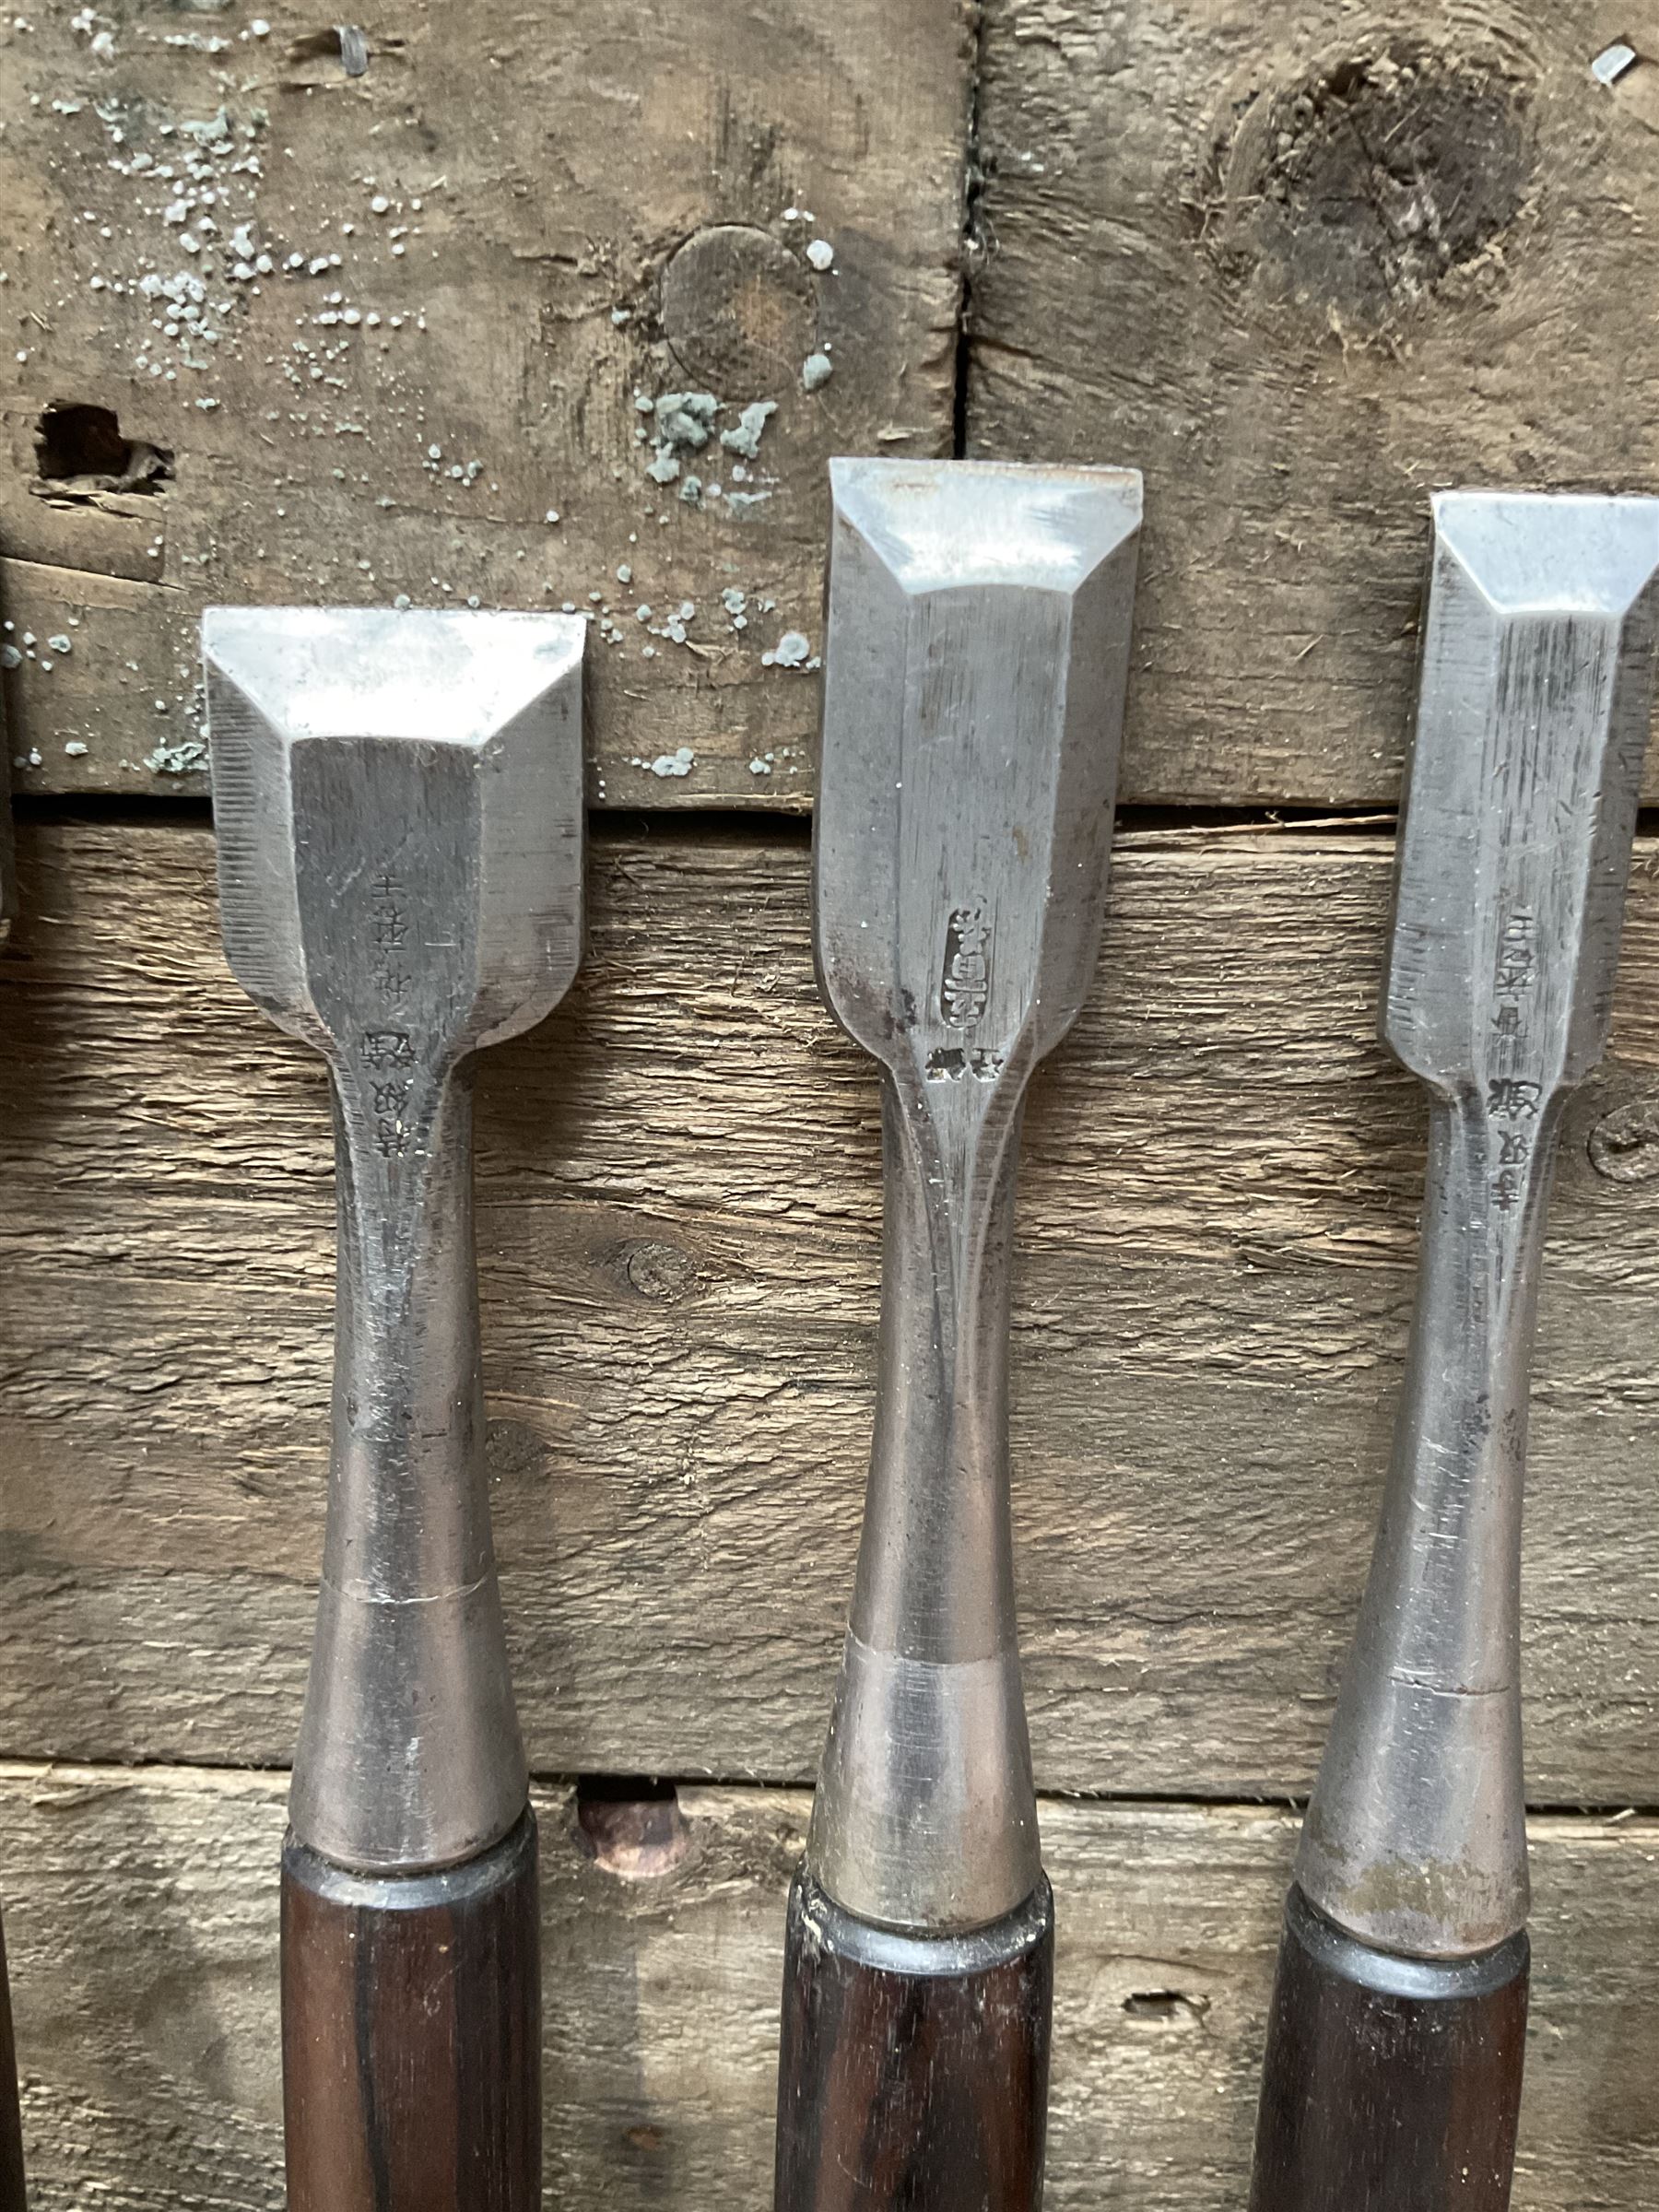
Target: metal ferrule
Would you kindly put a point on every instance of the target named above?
(410, 1754)
(925, 1817)
(1416, 1837)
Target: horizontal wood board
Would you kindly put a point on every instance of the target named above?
(680, 1220)
(141, 1918)
(1302, 261)
(513, 227)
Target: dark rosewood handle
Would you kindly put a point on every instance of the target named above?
(1391, 2085)
(913, 2073)
(411, 2034)
(12, 2197)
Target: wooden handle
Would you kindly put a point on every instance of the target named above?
(12, 2198)
(914, 2069)
(411, 2034)
(1391, 2085)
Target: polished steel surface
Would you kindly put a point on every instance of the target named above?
(399, 805)
(976, 651)
(1514, 848)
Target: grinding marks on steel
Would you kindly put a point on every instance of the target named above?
(399, 805)
(976, 663)
(1514, 848)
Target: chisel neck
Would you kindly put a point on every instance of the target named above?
(409, 1753)
(937, 1583)
(925, 1817)
(1415, 1836)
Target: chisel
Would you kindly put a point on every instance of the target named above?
(975, 659)
(13, 2196)
(1398, 2021)
(399, 805)
(11, 2124)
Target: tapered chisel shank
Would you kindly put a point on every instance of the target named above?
(1393, 2063)
(399, 805)
(974, 673)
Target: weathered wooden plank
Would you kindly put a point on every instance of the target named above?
(679, 1217)
(365, 335)
(141, 1916)
(1302, 260)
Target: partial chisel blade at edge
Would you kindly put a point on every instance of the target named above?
(12, 2194)
(398, 799)
(975, 664)
(1393, 2072)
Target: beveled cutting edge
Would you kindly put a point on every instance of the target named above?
(1515, 849)
(399, 802)
(976, 657)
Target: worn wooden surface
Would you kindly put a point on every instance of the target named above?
(680, 1204)
(1302, 260)
(510, 227)
(141, 1912)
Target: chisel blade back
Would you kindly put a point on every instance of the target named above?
(357, 750)
(976, 654)
(1534, 703)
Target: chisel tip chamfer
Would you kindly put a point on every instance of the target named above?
(1532, 718)
(368, 713)
(976, 654)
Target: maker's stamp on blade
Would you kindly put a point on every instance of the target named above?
(965, 985)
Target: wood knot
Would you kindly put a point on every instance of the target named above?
(738, 312)
(632, 1825)
(1624, 1145)
(660, 1271)
(1370, 185)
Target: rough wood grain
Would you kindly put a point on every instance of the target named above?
(142, 1916)
(678, 1217)
(1302, 260)
(437, 292)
